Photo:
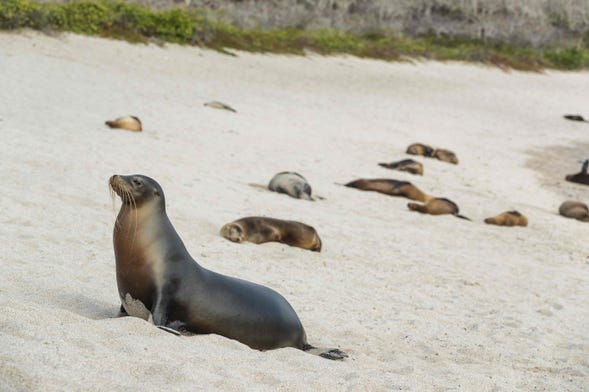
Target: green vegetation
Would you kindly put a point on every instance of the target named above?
(113, 18)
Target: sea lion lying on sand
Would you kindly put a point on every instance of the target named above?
(390, 187)
(437, 206)
(508, 218)
(130, 123)
(574, 209)
(408, 165)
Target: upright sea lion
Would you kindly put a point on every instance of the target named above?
(130, 123)
(574, 209)
(420, 149)
(574, 117)
(445, 155)
(220, 105)
(390, 187)
(258, 229)
(437, 206)
(582, 177)
(291, 183)
(408, 165)
(157, 278)
(508, 218)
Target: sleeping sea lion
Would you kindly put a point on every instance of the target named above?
(420, 149)
(508, 218)
(258, 229)
(220, 105)
(292, 184)
(157, 279)
(437, 206)
(390, 187)
(130, 123)
(445, 155)
(574, 209)
(408, 165)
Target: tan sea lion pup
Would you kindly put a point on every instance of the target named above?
(408, 165)
(390, 187)
(582, 177)
(130, 123)
(258, 229)
(158, 280)
(508, 218)
(574, 209)
(437, 206)
(420, 149)
(445, 155)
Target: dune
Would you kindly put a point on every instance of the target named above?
(419, 302)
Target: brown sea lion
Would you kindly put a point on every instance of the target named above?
(575, 117)
(508, 218)
(420, 149)
(582, 177)
(408, 165)
(437, 206)
(390, 187)
(292, 184)
(574, 209)
(259, 229)
(220, 105)
(130, 123)
(158, 280)
(445, 156)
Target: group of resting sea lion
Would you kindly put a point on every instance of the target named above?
(431, 205)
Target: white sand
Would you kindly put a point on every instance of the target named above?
(419, 302)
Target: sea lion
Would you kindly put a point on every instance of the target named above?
(390, 187)
(420, 149)
(157, 278)
(582, 177)
(408, 165)
(130, 123)
(508, 218)
(445, 155)
(258, 229)
(291, 183)
(574, 209)
(437, 206)
(575, 117)
(220, 105)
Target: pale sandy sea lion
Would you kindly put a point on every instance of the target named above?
(130, 123)
(445, 156)
(508, 218)
(157, 278)
(420, 149)
(292, 184)
(258, 229)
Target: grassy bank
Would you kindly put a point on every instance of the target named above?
(115, 19)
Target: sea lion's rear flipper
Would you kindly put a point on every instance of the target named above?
(387, 165)
(462, 217)
(170, 330)
(574, 117)
(122, 312)
(334, 354)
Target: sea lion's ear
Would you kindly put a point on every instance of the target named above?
(156, 192)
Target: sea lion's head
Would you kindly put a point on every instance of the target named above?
(137, 190)
(233, 232)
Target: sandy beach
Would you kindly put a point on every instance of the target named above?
(420, 303)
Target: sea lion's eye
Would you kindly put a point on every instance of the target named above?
(137, 182)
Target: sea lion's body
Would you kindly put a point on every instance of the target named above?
(220, 105)
(292, 184)
(408, 165)
(258, 229)
(508, 218)
(574, 209)
(154, 268)
(445, 156)
(575, 117)
(130, 123)
(437, 206)
(420, 149)
(582, 177)
(390, 187)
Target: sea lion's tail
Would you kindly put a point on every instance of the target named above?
(334, 354)
(462, 217)
(387, 165)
